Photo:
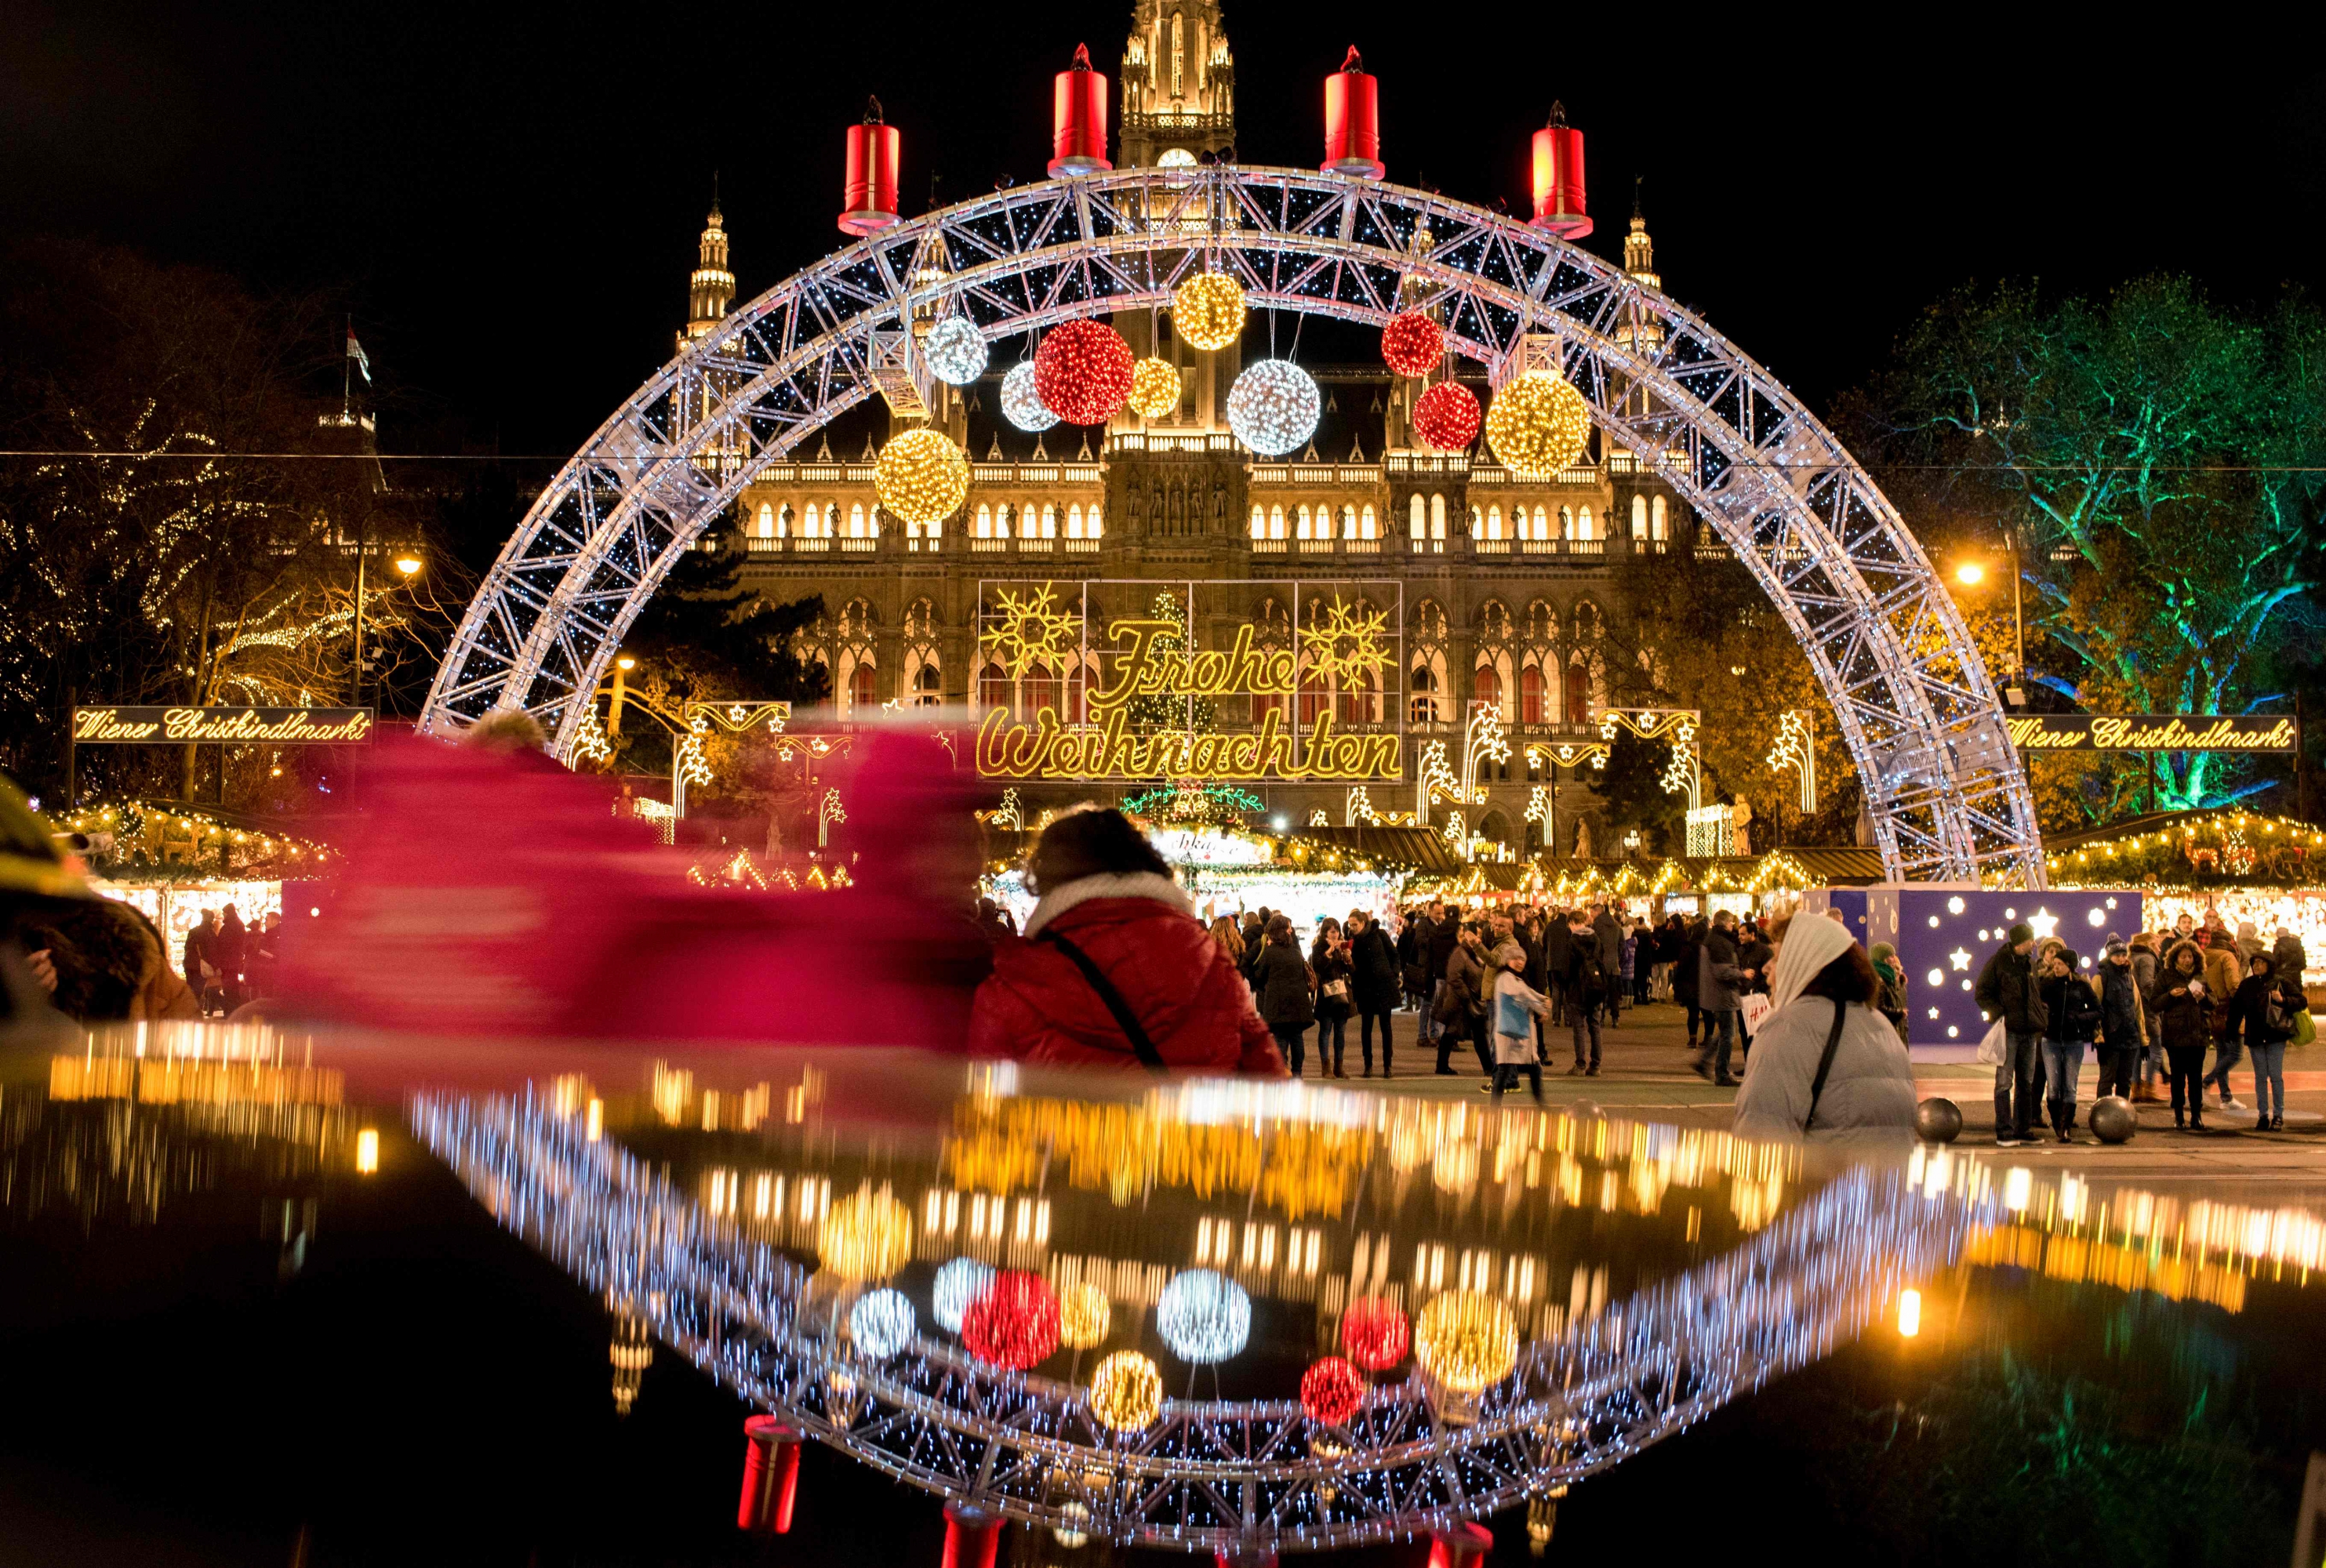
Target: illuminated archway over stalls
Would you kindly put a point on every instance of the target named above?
(1914, 700)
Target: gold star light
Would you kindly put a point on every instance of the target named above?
(1344, 643)
(1028, 630)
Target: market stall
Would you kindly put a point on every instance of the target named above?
(176, 862)
(2242, 866)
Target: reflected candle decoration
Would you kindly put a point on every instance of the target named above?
(1126, 1392)
(1374, 1333)
(1015, 1323)
(1084, 1315)
(1203, 1317)
(1465, 1341)
(881, 1324)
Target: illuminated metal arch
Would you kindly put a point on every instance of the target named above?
(1909, 691)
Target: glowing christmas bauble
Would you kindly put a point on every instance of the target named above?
(958, 1284)
(1154, 387)
(1273, 407)
(1373, 1331)
(1126, 1392)
(1465, 1341)
(956, 350)
(1203, 1316)
(1015, 1323)
(1538, 423)
(1084, 1315)
(1332, 1391)
(922, 476)
(1022, 405)
(1207, 310)
(1083, 372)
(1412, 344)
(1447, 416)
(882, 1322)
(867, 1236)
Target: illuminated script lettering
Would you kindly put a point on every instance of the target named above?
(222, 726)
(2151, 732)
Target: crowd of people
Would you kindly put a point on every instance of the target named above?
(2150, 1009)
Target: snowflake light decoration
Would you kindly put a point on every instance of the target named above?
(1028, 629)
(1345, 645)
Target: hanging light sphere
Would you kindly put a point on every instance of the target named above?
(1204, 1317)
(1273, 407)
(922, 476)
(1332, 1391)
(958, 1284)
(1538, 423)
(1084, 1315)
(1447, 416)
(956, 350)
(882, 1322)
(1022, 405)
(1373, 1333)
(1154, 387)
(1126, 1392)
(1083, 372)
(1412, 344)
(867, 1236)
(1207, 310)
(1015, 1323)
(1465, 1341)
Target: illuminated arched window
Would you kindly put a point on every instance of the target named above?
(1301, 528)
(993, 686)
(1542, 523)
(1656, 528)
(928, 685)
(1567, 521)
(1368, 525)
(1075, 520)
(1275, 522)
(1578, 692)
(1093, 525)
(1477, 523)
(1486, 685)
(1178, 56)
(1049, 520)
(1041, 689)
(984, 521)
(1437, 516)
(1639, 517)
(1584, 527)
(1314, 698)
(766, 528)
(1494, 521)
(863, 687)
(1422, 705)
(1530, 709)
(1259, 521)
(856, 521)
(1348, 523)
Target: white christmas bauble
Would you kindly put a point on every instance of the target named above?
(955, 351)
(1022, 405)
(1273, 407)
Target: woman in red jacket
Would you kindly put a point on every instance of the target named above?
(1114, 968)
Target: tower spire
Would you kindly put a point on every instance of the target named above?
(712, 289)
(1639, 250)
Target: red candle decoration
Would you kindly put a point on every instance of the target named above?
(1447, 416)
(1374, 1333)
(1015, 1324)
(1331, 1391)
(1412, 343)
(1083, 372)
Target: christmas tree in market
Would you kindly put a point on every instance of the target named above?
(1160, 710)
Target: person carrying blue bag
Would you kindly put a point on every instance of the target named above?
(1516, 1007)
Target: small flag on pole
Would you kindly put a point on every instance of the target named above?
(355, 353)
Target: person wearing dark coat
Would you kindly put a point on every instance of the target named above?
(2009, 988)
(1281, 985)
(1607, 932)
(1444, 936)
(1376, 977)
(232, 950)
(1686, 955)
(2123, 1025)
(201, 960)
(2071, 1019)
(2287, 960)
(1754, 952)
(2261, 1013)
(1463, 1004)
(1720, 978)
(1413, 950)
(2184, 1018)
(1328, 959)
(1557, 941)
(1588, 981)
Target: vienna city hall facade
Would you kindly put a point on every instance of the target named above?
(1486, 587)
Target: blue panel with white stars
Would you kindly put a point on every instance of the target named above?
(1944, 937)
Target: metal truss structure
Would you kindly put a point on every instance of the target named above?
(1205, 1475)
(1915, 703)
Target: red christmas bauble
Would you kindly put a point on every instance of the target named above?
(1332, 1391)
(1015, 1323)
(1447, 416)
(1083, 372)
(1374, 1333)
(1412, 343)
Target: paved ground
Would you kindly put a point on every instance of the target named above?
(1644, 1071)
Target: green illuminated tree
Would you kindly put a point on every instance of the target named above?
(1161, 711)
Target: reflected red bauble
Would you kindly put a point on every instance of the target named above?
(1374, 1333)
(1083, 372)
(1447, 416)
(1332, 1391)
(1412, 344)
(1015, 1323)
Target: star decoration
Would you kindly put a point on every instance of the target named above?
(1960, 958)
(2044, 923)
(1344, 643)
(1028, 630)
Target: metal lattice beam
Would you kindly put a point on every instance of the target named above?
(1910, 694)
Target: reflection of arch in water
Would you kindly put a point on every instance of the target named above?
(1910, 694)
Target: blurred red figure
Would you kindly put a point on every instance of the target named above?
(1114, 968)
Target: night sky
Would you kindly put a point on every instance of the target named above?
(509, 198)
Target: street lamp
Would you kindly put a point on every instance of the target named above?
(409, 565)
(623, 664)
(1970, 574)
(1973, 574)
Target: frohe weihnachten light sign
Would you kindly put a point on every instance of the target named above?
(222, 726)
(1046, 747)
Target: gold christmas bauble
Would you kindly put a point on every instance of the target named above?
(1155, 387)
(1126, 1392)
(1465, 1341)
(1538, 423)
(1207, 310)
(922, 476)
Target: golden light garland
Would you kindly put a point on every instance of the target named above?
(1465, 1341)
(1126, 1392)
(1207, 310)
(1154, 387)
(867, 1236)
(922, 476)
(1084, 1315)
(1538, 423)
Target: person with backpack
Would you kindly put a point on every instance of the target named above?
(2262, 1010)
(1826, 1067)
(2072, 1020)
(1587, 982)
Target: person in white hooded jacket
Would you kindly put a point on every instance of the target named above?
(1822, 989)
